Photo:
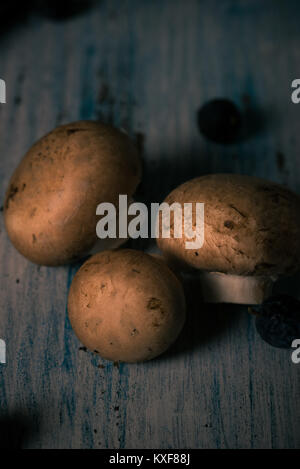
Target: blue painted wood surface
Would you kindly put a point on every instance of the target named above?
(146, 66)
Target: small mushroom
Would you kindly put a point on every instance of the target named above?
(127, 305)
(251, 236)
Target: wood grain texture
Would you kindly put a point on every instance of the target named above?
(147, 66)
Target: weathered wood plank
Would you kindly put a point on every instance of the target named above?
(147, 66)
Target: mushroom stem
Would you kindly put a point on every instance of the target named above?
(218, 287)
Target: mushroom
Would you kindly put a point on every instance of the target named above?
(251, 236)
(51, 201)
(126, 305)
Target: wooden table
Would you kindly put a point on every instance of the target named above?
(147, 66)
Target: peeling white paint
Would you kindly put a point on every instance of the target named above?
(2, 351)
(2, 92)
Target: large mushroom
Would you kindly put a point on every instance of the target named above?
(251, 236)
(126, 305)
(51, 201)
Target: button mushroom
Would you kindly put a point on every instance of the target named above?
(251, 236)
(126, 305)
(51, 201)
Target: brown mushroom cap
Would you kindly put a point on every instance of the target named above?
(50, 205)
(252, 226)
(126, 305)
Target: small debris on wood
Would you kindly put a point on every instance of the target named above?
(83, 349)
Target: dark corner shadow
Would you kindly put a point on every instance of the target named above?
(205, 322)
(15, 14)
(17, 429)
(61, 10)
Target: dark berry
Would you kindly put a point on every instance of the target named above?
(278, 320)
(220, 120)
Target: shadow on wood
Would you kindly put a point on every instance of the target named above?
(17, 14)
(16, 429)
(205, 322)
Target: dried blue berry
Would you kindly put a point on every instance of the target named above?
(278, 320)
(220, 120)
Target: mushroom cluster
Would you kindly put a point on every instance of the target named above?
(127, 305)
